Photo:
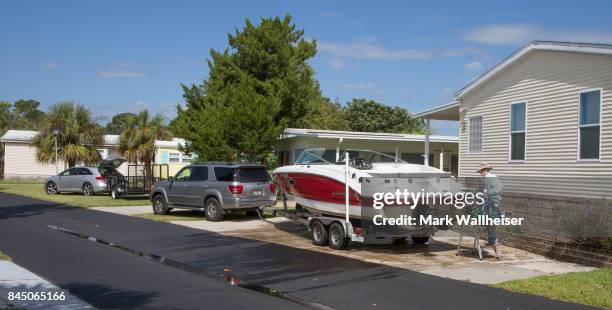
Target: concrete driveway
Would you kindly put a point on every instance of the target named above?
(118, 273)
(439, 257)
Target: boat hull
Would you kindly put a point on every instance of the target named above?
(325, 196)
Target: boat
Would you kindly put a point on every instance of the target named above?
(318, 184)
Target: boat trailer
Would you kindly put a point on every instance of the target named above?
(334, 231)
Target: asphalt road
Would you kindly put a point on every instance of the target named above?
(108, 277)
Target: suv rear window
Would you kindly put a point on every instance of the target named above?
(252, 174)
(224, 174)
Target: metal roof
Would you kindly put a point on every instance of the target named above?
(355, 135)
(26, 136)
(447, 112)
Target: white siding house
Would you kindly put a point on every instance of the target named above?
(542, 118)
(20, 155)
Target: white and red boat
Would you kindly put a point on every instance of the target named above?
(318, 185)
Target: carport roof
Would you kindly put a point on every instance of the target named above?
(337, 134)
(446, 112)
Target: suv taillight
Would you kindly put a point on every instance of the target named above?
(100, 178)
(235, 188)
(272, 187)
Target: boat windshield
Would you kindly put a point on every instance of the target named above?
(313, 156)
(323, 156)
(370, 156)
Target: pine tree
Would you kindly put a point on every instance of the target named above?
(255, 88)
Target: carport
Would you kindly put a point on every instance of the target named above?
(433, 150)
(445, 112)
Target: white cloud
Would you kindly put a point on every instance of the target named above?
(368, 49)
(116, 72)
(403, 93)
(466, 51)
(142, 103)
(337, 63)
(473, 66)
(330, 14)
(358, 86)
(446, 93)
(50, 65)
(439, 18)
(516, 34)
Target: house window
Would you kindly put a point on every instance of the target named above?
(174, 157)
(517, 130)
(475, 134)
(186, 159)
(589, 126)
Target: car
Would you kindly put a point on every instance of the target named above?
(215, 188)
(86, 180)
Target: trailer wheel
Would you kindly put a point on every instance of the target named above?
(337, 237)
(115, 193)
(320, 236)
(419, 240)
(159, 205)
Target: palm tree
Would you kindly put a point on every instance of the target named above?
(137, 141)
(79, 136)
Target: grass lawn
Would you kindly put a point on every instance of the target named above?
(4, 256)
(36, 190)
(590, 288)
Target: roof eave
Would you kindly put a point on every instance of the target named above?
(431, 113)
(535, 45)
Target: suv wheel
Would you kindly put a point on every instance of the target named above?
(214, 212)
(87, 189)
(51, 188)
(159, 205)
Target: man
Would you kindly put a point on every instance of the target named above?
(492, 191)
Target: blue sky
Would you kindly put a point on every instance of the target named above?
(117, 56)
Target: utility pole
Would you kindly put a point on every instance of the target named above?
(55, 134)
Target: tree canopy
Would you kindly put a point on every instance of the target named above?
(79, 136)
(255, 88)
(372, 116)
(22, 114)
(326, 114)
(119, 123)
(137, 139)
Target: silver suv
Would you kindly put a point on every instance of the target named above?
(215, 188)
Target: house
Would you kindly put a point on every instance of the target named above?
(542, 118)
(20, 155)
(408, 147)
